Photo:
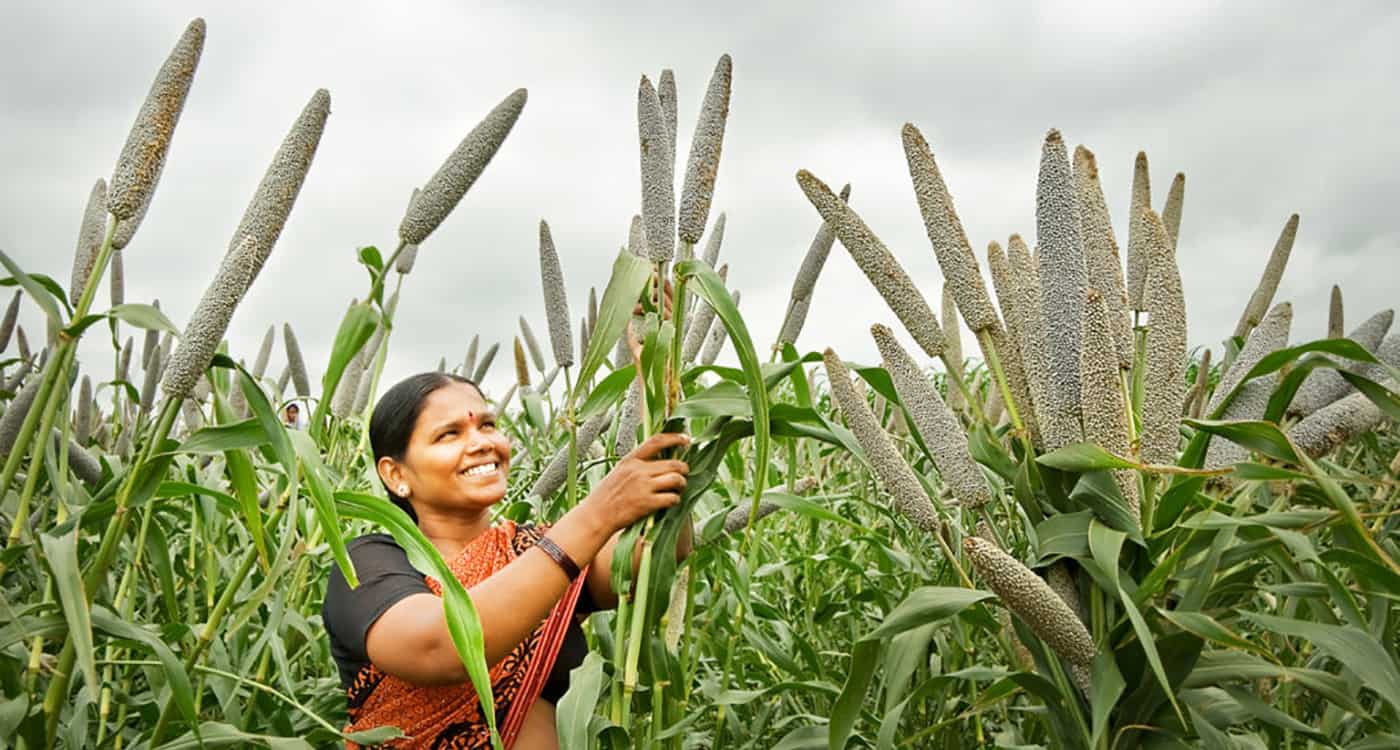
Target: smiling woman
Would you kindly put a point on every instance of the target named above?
(442, 460)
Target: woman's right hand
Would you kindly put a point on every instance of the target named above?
(640, 484)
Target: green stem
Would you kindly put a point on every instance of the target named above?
(56, 369)
(206, 636)
(639, 615)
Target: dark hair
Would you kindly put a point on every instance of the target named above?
(395, 415)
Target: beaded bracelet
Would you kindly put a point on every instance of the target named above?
(558, 555)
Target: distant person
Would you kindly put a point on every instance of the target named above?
(291, 416)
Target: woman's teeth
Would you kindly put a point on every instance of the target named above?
(479, 470)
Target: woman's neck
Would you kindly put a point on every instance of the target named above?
(453, 530)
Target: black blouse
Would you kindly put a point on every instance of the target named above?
(386, 577)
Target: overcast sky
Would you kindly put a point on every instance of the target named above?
(1267, 110)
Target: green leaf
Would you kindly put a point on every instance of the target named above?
(225, 437)
(1099, 493)
(629, 276)
(1207, 628)
(1106, 545)
(147, 317)
(864, 656)
(1356, 650)
(924, 605)
(1384, 398)
(575, 711)
(710, 287)
(1082, 457)
(463, 623)
(1261, 436)
(369, 255)
(41, 296)
(1106, 687)
(313, 471)
(1148, 641)
(606, 393)
(61, 554)
(176, 676)
(355, 329)
(1275, 361)
(723, 399)
(803, 738)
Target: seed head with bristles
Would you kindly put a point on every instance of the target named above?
(629, 419)
(1101, 260)
(1335, 324)
(211, 318)
(952, 353)
(799, 300)
(895, 476)
(1032, 600)
(1104, 408)
(90, 236)
(444, 190)
(469, 362)
(124, 361)
(270, 206)
(1323, 385)
(945, 233)
(718, 335)
(117, 279)
(154, 367)
(409, 254)
(7, 325)
(666, 94)
(1326, 429)
(485, 364)
(151, 342)
(658, 176)
(1063, 284)
(936, 423)
(295, 362)
(556, 302)
(522, 368)
(82, 418)
(1138, 253)
(15, 412)
(592, 307)
(264, 353)
(143, 157)
(637, 237)
(1202, 386)
(527, 335)
(1026, 289)
(1171, 210)
(878, 264)
(714, 240)
(1164, 390)
(1263, 295)
(1253, 399)
(705, 145)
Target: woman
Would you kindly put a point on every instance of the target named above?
(442, 459)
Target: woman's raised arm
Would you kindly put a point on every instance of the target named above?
(410, 640)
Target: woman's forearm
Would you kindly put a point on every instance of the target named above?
(512, 602)
(411, 640)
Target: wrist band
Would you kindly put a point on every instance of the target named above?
(558, 555)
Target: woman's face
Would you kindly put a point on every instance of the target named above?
(456, 457)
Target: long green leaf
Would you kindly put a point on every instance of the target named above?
(61, 553)
(463, 623)
(629, 277)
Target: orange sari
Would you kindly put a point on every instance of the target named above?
(449, 716)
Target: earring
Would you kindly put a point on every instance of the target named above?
(403, 490)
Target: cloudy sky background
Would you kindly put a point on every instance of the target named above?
(1268, 110)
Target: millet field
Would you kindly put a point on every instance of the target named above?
(1070, 531)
